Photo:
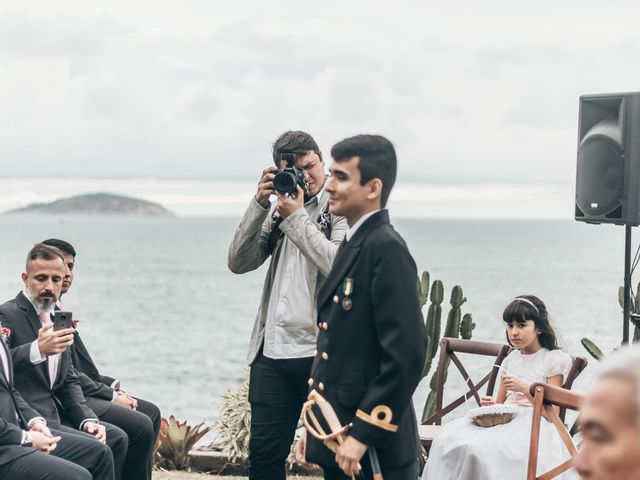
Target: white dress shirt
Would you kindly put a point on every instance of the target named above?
(356, 226)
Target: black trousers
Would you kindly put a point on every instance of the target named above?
(117, 441)
(141, 427)
(76, 457)
(404, 472)
(277, 390)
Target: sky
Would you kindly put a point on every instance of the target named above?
(468, 91)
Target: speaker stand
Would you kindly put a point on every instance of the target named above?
(627, 285)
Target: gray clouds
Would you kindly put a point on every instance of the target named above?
(468, 91)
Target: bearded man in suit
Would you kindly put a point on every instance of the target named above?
(372, 339)
(44, 373)
(139, 418)
(29, 450)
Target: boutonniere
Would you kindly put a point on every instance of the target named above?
(74, 323)
(4, 333)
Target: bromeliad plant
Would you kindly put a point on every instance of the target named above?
(457, 326)
(175, 440)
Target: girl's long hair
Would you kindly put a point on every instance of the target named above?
(519, 310)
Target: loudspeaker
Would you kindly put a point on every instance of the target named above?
(608, 170)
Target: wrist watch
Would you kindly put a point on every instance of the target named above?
(28, 440)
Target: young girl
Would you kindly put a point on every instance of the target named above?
(465, 451)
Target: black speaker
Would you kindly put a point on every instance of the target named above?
(608, 170)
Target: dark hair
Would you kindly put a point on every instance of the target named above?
(521, 308)
(63, 246)
(297, 142)
(45, 252)
(377, 160)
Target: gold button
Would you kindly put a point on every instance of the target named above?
(310, 381)
(325, 326)
(321, 386)
(325, 356)
(336, 299)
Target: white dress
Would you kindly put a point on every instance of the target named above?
(465, 451)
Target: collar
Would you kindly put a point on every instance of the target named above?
(351, 231)
(315, 198)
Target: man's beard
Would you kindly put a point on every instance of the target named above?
(42, 304)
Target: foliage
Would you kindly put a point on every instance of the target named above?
(175, 440)
(593, 349)
(457, 326)
(234, 424)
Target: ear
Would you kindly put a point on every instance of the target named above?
(374, 189)
(25, 277)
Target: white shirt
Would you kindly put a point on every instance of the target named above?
(290, 331)
(361, 220)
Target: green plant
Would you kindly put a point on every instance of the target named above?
(175, 440)
(457, 326)
(593, 349)
(234, 424)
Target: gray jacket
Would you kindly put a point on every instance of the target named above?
(249, 249)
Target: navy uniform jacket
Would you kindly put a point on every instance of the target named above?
(32, 381)
(370, 356)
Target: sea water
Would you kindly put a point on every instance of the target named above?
(159, 309)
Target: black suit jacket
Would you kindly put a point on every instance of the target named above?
(370, 356)
(32, 381)
(94, 385)
(15, 415)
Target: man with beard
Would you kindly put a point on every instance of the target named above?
(301, 238)
(139, 418)
(44, 373)
(30, 451)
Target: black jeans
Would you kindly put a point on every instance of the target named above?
(277, 390)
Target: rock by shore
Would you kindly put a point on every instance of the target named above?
(97, 204)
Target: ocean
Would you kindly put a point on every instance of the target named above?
(159, 309)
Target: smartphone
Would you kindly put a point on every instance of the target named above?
(61, 320)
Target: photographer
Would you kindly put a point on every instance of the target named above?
(302, 238)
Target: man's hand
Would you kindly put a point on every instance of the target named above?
(96, 430)
(349, 454)
(287, 205)
(42, 442)
(125, 400)
(50, 342)
(42, 428)
(265, 186)
(300, 453)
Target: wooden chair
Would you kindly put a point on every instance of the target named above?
(448, 349)
(545, 397)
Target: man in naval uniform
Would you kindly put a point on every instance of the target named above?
(372, 339)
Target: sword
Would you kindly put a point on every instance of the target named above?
(334, 439)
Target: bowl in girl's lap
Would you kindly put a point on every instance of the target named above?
(491, 415)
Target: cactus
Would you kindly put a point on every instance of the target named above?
(467, 326)
(434, 315)
(591, 347)
(457, 326)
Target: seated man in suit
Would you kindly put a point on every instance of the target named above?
(30, 451)
(139, 418)
(44, 373)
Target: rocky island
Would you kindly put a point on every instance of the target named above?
(97, 204)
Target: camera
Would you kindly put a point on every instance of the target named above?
(287, 179)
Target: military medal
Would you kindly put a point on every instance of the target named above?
(347, 289)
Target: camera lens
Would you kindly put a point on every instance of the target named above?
(285, 182)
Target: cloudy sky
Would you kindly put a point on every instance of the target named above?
(469, 91)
